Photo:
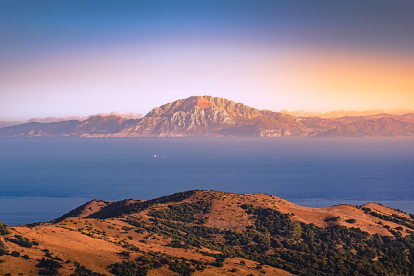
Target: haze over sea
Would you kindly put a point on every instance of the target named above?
(43, 178)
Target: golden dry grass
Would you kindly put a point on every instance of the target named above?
(69, 238)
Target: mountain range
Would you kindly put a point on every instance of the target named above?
(212, 233)
(217, 117)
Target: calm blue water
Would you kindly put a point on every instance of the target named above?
(48, 177)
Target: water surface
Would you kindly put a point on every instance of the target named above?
(308, 171)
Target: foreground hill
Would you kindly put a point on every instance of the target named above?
(216, 117)
(213, 233)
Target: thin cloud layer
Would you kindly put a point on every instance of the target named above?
(123, 114)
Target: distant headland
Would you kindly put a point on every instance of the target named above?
(206, 116)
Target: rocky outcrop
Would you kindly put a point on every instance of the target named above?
(214, 116)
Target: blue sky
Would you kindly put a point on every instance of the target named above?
(66, 58)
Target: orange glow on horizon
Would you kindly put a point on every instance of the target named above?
(348, 81)
(277, 79)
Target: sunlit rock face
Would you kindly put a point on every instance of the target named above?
(213, 116)
(216, 117)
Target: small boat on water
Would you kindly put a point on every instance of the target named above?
(155, 156)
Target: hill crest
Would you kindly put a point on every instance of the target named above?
(212, 233)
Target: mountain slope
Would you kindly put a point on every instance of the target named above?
(381, 127)
(214, 233)
(212, 116)
(216, 117)
(40, 129)
(194, 116)
(100, 125)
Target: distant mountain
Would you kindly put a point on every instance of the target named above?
(377, 127)
(95, 125)
(215, 117)
(4, 123)
(212, 233)
(212, 116)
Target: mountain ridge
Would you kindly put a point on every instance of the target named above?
(209, 116)
(203, 232)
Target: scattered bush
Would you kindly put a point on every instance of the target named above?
(50, 266)
(83, 271)
(125, 254)
(15, 254)
(4, 229)
(23, 242)
(332, 219)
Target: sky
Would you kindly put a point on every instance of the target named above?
(82, 57)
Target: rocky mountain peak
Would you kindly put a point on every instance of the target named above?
(187, 105)
(215, 116)
(209, 104)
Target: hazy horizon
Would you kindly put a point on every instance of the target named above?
(226, 181)
(129, 115)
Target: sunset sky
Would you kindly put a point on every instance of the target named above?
(77, 58)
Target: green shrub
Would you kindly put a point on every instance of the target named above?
(23, 242)
(83, 271)
(50, 266)
(15, 254)
(4, 230)
(125, 254)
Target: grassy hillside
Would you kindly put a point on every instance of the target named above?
(214, 233)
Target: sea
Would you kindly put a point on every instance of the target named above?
(42, 178)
